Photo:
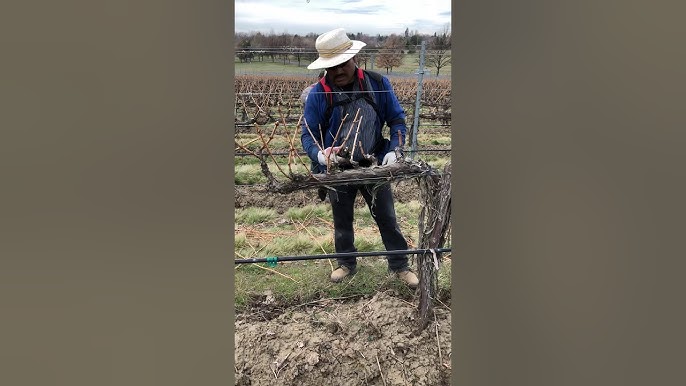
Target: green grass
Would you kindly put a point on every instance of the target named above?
(308, 281)
(366, 243)
(363, 217)
(251, 173)
(408, 210)
(309, 212)
(240, 241)
(248, 175)
(253, 142)
(290, 245)
(439, 140)
(277, 67)
(283, 235)
(439, 163)
(435, 160)
(255, 215)
(246, 160)
(409, 65)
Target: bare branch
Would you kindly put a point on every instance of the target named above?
(245, 149)
(351, 126)
(266, 147)
(371, 175)
(357, 132)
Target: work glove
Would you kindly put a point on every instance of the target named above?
(322, 156)
(389, 158)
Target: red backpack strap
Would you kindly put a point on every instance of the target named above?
(327, 89)
(360, 78)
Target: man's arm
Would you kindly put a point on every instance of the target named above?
(312, 117)
(395, 116)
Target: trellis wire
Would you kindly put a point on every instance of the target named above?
(303, 153)
(435, 251)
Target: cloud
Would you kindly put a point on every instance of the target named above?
(369, 16)
(367, 9)
(356, 11)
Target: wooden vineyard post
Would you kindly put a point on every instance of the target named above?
(434, 223)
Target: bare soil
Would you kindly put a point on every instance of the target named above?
(369, 341)
(366, 341)
(249, 196)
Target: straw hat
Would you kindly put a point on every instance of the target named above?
(334, 48)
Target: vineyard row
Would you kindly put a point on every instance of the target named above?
(266, 99)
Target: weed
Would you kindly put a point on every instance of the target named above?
(440, 163)
(308, 212)
(248, 175)
(365, 243)
(307, 281)
(440, 141)
(255, 215)
(240, 240)
(289, 245)
(409, 209)
(251, 173)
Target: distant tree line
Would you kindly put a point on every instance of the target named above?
(382, 51)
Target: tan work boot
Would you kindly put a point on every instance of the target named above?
(409, 278)
(340, 273)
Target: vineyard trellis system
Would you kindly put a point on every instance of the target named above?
(274, 101)
(263, 100)
(448, 150)
(272, 260)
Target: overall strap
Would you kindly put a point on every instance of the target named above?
(327, 90)
(359, 75)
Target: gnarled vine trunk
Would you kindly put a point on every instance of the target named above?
(434, 223)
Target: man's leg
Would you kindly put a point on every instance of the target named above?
(342, 205)
(383, 212)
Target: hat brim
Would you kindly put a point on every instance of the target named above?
(338, 59)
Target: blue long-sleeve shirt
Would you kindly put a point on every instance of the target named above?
(389, 113)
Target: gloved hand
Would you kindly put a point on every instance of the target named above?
(389, 158)
(322, 156)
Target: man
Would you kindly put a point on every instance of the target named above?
(354, 92)
(306, 91)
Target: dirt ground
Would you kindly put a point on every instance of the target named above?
(247, 196)
(365, 341)
(368, 341)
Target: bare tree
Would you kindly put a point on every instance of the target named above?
(307, 43)
(391, 54)
(365, 56)
(438, 55)
(362, 59)
(298, 48)
(272, 44)
(243, 48)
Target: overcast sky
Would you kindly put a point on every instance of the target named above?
(371, 17)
